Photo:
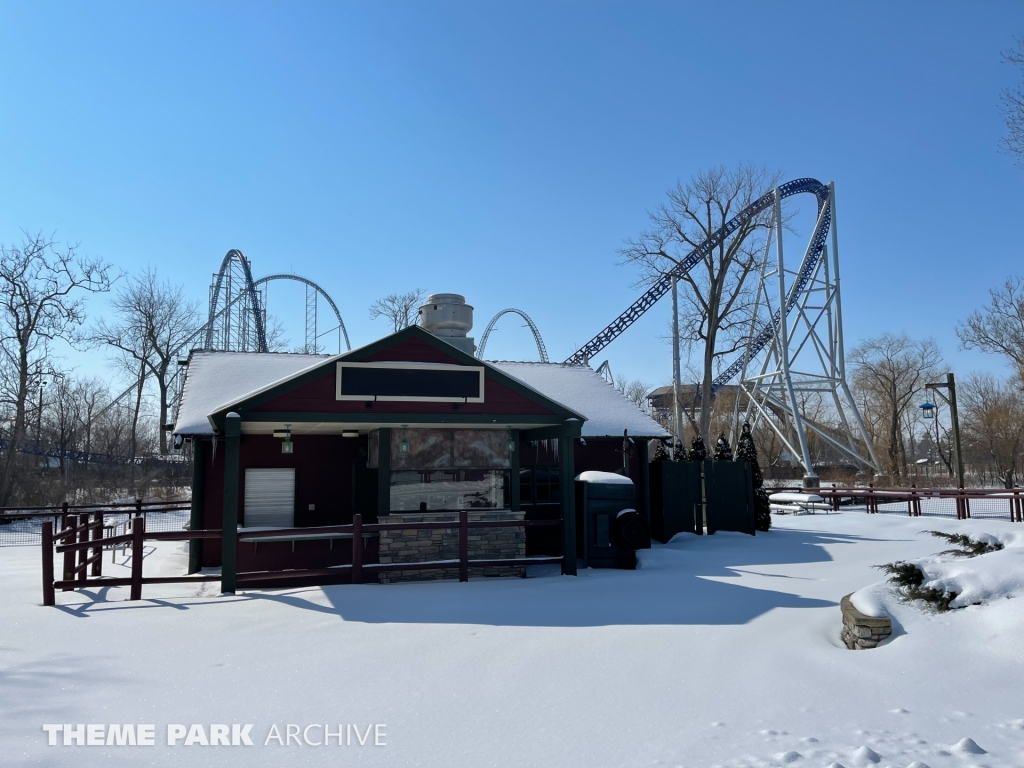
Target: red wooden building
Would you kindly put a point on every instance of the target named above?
(407, 428)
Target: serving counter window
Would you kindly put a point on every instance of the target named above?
(431, 491)
(449, 469)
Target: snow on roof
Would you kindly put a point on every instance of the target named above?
(216, 379)
(582, 389)
(608, 478)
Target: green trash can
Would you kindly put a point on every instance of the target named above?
(609, 530)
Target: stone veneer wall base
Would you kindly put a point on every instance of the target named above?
(411, 546)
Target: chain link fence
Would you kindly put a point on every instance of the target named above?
(20, 529)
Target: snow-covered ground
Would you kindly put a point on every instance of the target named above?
(719, 651)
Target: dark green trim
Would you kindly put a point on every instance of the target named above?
(571, 428)
(567, 486)
(645, 481)
(229, 534)
(195, 520)
(358, 355)
(383, 472)
(372, 416)
(513, 474)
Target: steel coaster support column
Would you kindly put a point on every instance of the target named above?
(810, 478)
(677, 412)
(735, 428)
(840, 344)
(310, 320)
(195, 521)
(229, 527)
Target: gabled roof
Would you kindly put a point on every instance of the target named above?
(214, 379)
(225, 381)
(608, 412)
(217, 382)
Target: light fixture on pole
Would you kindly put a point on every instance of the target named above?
(927, 410)
(403, 444)
(949, 396)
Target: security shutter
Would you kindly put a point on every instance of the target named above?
(270, 498)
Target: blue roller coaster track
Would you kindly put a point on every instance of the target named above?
(698, 254)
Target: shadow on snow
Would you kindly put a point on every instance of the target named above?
(684, 582)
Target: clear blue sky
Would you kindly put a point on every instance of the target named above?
(505, 150)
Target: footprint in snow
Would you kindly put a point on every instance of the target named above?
(788, 757)
(836, 765)
(769, 733)
(866, 754)
(899, 711)
(918, 764)
(968, 746)
(809, 740)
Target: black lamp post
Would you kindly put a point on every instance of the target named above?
(950, 397)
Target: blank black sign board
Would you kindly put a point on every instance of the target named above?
(409, 383)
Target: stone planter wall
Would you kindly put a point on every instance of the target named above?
(410, 546)
(861, 631)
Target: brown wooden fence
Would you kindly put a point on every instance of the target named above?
(81, 541)
(989, 503)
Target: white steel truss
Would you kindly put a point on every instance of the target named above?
(805, 358)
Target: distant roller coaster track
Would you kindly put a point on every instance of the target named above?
(218, 309)
(220, 305)
(762, 338)
(318, 289)
(541, 349)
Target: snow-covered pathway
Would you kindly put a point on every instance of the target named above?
(720, 650)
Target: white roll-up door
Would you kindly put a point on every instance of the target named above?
(269, 498)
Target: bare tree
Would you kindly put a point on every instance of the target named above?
(999, 327)
(1013, 106)
(400, 308)
(715, 310)
(41, 287)
(636, 391)
(889, 371)
(153, 322)
(992, 421)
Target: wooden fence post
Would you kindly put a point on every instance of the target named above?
(138, 534)
(83, 554)
(96, 534)
(63, 515)
(47, 537)
(835, 499)
(70, 524)
(357, 548)
(463, 545)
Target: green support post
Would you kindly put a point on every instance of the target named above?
(383, 474)
(229, 533)
(645, 480)
(567, 487)
(195, 520)
(513, 474)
